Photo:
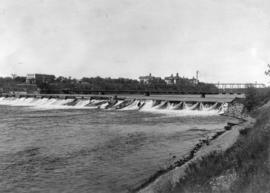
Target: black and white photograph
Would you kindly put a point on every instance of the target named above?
(134, 96)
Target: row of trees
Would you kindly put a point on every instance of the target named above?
(8, 84)
(97, 84)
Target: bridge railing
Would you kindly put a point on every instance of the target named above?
(239, 85)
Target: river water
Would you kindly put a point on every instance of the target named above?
(92, 150)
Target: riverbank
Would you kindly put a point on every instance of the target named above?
(216, 166)
(244, 167)
(170, 180)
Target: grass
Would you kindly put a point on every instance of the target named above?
(245, 167)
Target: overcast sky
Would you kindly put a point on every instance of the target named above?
(227, 41)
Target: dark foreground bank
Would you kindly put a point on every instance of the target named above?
(245, 167)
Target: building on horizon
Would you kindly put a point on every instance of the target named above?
(194, 81)
(172, 79)
(39, 78)
(179, 80)
(149, 79)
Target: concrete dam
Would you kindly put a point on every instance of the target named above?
(167, 104)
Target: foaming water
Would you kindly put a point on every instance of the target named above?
(153, 106)
(91, 150)
(133, 106)
(187, 109)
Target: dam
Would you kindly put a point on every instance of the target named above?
(183, 104)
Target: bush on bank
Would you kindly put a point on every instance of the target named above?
(256, 98)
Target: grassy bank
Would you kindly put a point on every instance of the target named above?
(245, 167)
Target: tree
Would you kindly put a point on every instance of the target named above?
(252, 98)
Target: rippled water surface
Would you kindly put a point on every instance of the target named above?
(90, 150)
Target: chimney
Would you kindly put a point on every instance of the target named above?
(197, 75)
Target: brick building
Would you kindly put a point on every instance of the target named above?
(39, 78)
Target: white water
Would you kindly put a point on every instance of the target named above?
(133, 106)
(148, 106)
(159, 106)
(188, 106)
(187, 110)
(118, 103)
(104, 105)
(175, 107)
(165, 107)
(44, 103)
(207, 107)
(95, 101)
(82, 103)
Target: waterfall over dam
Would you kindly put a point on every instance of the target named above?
(153, 105)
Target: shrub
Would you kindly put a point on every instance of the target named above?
(252, 99)
(256, 97)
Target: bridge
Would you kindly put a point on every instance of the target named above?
(224, 86)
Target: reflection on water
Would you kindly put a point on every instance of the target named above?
(89, 150)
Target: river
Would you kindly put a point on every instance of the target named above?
(92, 150)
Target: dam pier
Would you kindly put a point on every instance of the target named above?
(183, 104)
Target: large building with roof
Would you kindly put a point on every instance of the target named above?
(149, 78)
(172, 79)
(39, 78)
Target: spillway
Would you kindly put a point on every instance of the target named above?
(153, 106)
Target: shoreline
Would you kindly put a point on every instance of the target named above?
(165, 180)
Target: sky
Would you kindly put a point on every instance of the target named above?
(226, 41)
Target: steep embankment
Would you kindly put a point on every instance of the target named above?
(244, 167)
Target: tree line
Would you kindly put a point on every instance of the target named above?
(90, 85)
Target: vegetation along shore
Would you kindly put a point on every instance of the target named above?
(232, 161)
